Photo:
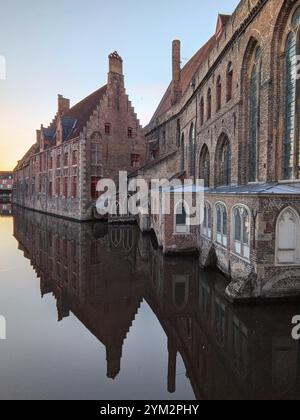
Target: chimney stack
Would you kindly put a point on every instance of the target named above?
(63, 105)
(176, 70)
(115, 63)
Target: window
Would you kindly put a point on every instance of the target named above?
(205, 166)
(58, 161)
(219, 93)
(255, 82)
(96, 154)
(75, 157)
(207, 221)
(94, 182)
(202, 111)
(135, 161)
(107, 129)
(192, 149)
(288, 237)
(74, 187)
(182, 152)
(130, 133)
(66, 159)
(229, 82)
(181, 225)
(50, 189)
(178, 132)
(51, 163)
(221, 224)
(290, 106)
(209, 104)
(241, 231)
(58, 187)
(41, 164)
(223, 161)
(65, 190)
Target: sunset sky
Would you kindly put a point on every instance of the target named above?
(61, 46)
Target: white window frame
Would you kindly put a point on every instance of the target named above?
(221, 238)
(296, 259)
(241, 248)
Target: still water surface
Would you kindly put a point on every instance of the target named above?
(96, 312)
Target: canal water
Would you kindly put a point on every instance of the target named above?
(96, 312)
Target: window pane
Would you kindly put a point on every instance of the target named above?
(237, 225)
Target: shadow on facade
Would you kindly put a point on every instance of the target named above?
(103, 273)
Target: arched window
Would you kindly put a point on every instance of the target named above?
(291, 141)
(202, 111)
(229, 82)
(181, 290)
(205, 166)
(221, 224)
(181, 219)
(192, 150)
(290, 106)
(288, 237)
(182, 152)
(207, 221)
(178, 131)
(223, 161)
(209, 104)
(255, 82)
(241, 231)
(219, 93)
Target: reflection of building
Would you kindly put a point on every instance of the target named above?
(5, 209)
(94, 139)
(6, 186)
(102, 274)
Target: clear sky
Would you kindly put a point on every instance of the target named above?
(61, 46)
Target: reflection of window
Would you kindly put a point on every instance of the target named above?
(241, 231)
(221, 224)
(288, 237)
(181, 291)
(181, 225)
(207, 221)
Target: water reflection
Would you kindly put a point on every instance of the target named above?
(5, 209)
(103, 273)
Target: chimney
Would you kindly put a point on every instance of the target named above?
(176, 69)
(63, 105)
(115, 63)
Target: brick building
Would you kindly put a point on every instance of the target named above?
(231, 117)
(94, 139)
(6, 186)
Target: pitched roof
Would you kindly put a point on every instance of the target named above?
(34, 149)
(82, 111)
(187, 74)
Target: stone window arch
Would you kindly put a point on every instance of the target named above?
(219, 93)
(241, 230)
(204, 166)
(207, 220)
(221, 224)
(181, 218)
(288, 237)
(223, 162)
